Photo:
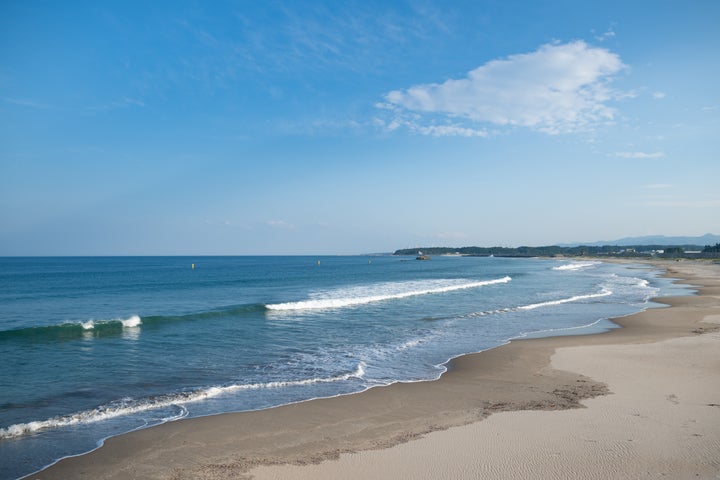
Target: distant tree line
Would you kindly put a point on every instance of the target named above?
(554, 250)
(712, 248)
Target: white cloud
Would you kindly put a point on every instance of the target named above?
(556, 89)
(639, 154)
(659, 95)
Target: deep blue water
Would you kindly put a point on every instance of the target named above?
(93, 347)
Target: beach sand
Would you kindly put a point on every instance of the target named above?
(642, 401)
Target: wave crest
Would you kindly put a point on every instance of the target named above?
(130, 406)
(575, 266)
(73, 330)
(362, 297)
(603, 293)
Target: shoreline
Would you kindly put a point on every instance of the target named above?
(516, 376)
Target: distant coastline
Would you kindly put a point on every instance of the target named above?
(623, 251)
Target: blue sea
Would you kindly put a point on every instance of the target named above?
(93, 347)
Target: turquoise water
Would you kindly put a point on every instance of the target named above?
(94, 347)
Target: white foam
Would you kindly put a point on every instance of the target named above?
(604, 293)
(632, 286)
(489, 312)
(365, 295)
(630, 282)
(360, 371)
(410, 344)
(88, 416)
(575, 266)
(131, 322)
(130, 406)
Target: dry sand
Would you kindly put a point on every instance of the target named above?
(661, 419)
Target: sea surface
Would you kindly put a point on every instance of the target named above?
(93, 347)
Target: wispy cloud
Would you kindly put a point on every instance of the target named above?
(434, 130)
(639, 154)
(559, 88)
(125, 102)
(280, 224)
(608, 34)
(659, 95)
(684, 203)
(312, 37)
(25, 102)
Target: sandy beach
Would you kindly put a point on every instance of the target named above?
(642, 401)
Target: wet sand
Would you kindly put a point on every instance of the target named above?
(640, 401)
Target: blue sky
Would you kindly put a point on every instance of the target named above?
(349, 127)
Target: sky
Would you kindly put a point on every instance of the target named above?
(326, 127)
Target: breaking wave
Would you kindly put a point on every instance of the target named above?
(131, 406)
(72, 330)
(603, 293)
(575, 266)
(118, 326)
(381, 292)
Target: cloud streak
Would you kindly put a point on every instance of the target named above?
(684, 203)
(559, 88)
(639, 154)
(24, 102)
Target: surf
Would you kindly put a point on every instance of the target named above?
(128, 406)
(550, 303)
(576, 298)
(73, 330)
(370, 294)
(570, 267)
(98, 328)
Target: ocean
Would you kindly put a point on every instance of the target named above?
(93, 347)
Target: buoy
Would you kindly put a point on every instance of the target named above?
(193, 266)
(318, 262)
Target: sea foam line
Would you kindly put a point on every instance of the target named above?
(324, 303)
(603, 293)
(575, 266)
(130, 406)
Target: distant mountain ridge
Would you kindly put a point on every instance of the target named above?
(707, 239)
